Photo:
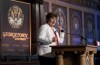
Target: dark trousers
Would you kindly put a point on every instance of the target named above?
(47, 60)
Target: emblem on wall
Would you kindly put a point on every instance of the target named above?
(76, 23)
(89, 24)
(61, 17)
(76, 26)
(15, 16)
(75, 18)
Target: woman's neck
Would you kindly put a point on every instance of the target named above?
(50, 25)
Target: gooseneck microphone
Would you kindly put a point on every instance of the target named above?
(82, 37)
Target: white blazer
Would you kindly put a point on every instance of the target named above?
(45, 39)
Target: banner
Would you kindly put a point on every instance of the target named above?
(15, 28)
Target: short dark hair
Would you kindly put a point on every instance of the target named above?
(50, 15)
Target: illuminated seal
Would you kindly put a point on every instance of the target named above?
(15, 16)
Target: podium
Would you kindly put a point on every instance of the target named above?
(74, 55)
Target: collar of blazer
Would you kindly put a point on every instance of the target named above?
(52, 29)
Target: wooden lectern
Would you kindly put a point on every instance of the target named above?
(75, 55)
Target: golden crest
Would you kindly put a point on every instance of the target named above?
(15, 16)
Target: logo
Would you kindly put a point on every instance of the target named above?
(15, 16)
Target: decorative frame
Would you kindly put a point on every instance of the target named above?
(89, 26)
(75, 26)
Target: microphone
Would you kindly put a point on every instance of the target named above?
(82, 37)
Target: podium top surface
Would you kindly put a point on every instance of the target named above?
(74, 48)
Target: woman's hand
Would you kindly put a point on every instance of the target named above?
(60, 28)
(54, 39)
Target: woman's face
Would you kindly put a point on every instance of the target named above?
(52, 21)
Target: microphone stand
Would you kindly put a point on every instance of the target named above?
(82, 38)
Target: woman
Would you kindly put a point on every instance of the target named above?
(48, 36)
